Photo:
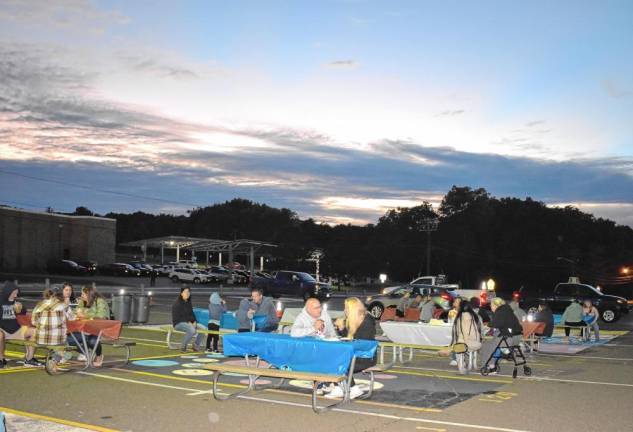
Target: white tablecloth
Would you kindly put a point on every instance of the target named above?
(417, 333)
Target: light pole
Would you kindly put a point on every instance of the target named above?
(316, 256)
(428, 226)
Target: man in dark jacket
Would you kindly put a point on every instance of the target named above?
(9, 326)
(504, 324)
(545, 315)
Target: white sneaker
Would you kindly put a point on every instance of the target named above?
(354, 392)
(453, 363)
(81, 357)
(337, 392)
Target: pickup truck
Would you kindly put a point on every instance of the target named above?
(611, 307)
(292, 283)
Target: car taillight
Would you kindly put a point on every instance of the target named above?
(446, 296)
(483, 298)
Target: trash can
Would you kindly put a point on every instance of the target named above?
(122, 307)
(140, 308)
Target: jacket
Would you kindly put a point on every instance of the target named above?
(426, 310)
(466, 330)
(573, 313)
(8, 321)
(506, 321)
(182, 311)
(49, 319)
(304, 325)
(266, 307)
(547, 317)
(367, 331)
(98, 310)
(216, 308)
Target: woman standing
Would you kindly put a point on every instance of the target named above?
(466, 330)
(358, 324)
(184, 320)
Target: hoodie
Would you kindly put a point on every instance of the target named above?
(266, 307)
(304, 325)
(216, 308)
(8, 322)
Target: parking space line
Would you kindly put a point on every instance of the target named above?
(430, 429)
(57, 420)
(574, 356)
(18, 369)
(455, 377)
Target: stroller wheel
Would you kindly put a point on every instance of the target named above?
(527, 371)
(514, 373)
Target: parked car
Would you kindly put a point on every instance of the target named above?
(218, 274)
(119, 269)
(90, 266)
(292, 283)
(240, 276)
(188, 275)
(611, 307)
(142, 267)
(377, 304)
(66, 267)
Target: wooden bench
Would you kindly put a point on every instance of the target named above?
(254, 372)
(52, 366)
(170, 330)
(584, 330)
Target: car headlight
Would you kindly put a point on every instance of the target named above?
(620, 301)
(369, 299)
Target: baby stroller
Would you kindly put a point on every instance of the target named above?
(507, 350)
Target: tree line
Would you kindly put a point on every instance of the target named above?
(516, 242)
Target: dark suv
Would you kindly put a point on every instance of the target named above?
(292, 283)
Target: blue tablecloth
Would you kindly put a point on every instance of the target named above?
(305, 354)
(557, 318)
(228, 320)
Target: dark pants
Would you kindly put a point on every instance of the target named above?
(243, 330)
(361, 364)
(90, 340)
(215, 338)
(573, 324)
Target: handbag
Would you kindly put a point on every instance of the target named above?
(459, 348)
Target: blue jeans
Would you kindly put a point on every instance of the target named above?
(190, 331)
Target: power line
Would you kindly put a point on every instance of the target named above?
(94, 189)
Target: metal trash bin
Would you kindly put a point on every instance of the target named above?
(140, 308)
(122, 307)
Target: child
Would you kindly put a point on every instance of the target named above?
(217, 307)
(590, 315)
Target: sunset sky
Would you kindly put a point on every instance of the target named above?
(338, 110)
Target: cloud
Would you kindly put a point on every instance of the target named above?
(450, 113)
(157, 67)
(535, 123)
(342, 64)
(615, 90)
(53, 122)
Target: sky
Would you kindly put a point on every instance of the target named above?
(337, 109)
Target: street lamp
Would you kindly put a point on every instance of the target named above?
(625, 270)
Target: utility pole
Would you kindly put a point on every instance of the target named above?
(316, 256)
(428, 226)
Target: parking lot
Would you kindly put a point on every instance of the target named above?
(165, 390)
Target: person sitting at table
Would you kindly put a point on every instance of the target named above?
(184, 320)
(591, 315)
(358, 324)
(217, 306)
(427, 307)
(572, 317)
(313, 321)
(403, 304)
(257, 304)
(417, 300)
(545, 315)
(455, 309)
(504, 323)
(68, 294)
(49, 319)
(516, 308)
(91, 305)
(10, 329)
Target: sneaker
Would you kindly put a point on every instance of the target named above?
(354, 392)
(81, 357)
(209, 351)
(3, 363)
(493, 370)
(33, 363)
(337, 392)
(453, 363)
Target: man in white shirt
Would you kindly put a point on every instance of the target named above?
(313, 321)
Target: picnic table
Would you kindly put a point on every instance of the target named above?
(106, 331)
(306, 358)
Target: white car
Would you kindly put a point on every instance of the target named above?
(187, 275)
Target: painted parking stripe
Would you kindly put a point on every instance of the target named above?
(574, 356)
(534, 378)
(454, 377)
(301, 405)
(57, 420)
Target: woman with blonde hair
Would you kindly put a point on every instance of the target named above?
(358, 324)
